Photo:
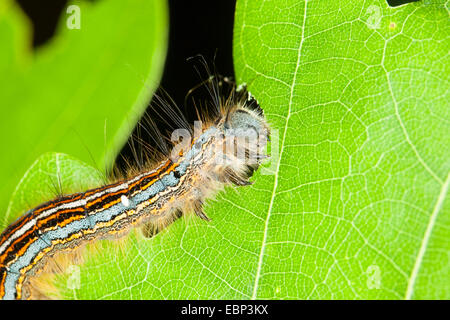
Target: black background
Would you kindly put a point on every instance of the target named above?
(195, 27)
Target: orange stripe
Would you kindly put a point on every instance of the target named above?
(105, 196)
(11, 246)
(150, 175)
(169, 170)
(24, 248)
(57, 203)
(56, 215)
(99, 189)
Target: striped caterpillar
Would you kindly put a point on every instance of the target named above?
(223, 150)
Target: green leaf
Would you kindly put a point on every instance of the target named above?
(354, 201)
(358, 204)
(82, 93)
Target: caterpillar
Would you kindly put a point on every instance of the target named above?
(224, 149)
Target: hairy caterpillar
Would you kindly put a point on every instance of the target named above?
(224, 149)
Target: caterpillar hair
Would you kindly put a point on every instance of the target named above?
(223, 147)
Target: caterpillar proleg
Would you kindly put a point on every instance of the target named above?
(223, 149)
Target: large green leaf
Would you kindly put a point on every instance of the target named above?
(354, 203)
(83, 92)
(357, 205)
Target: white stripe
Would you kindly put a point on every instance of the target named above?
(68, 205)
(110, 190)
(19, 232)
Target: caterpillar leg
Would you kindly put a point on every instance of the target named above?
(152, 228)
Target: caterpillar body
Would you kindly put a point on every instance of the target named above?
(229, 145)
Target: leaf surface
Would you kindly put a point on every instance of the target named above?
(357, 206)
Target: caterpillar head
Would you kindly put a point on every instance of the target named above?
(230, 145)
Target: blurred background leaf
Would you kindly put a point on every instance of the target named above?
(81, 93)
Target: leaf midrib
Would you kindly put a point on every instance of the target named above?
(269, 211)
(426, 238)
